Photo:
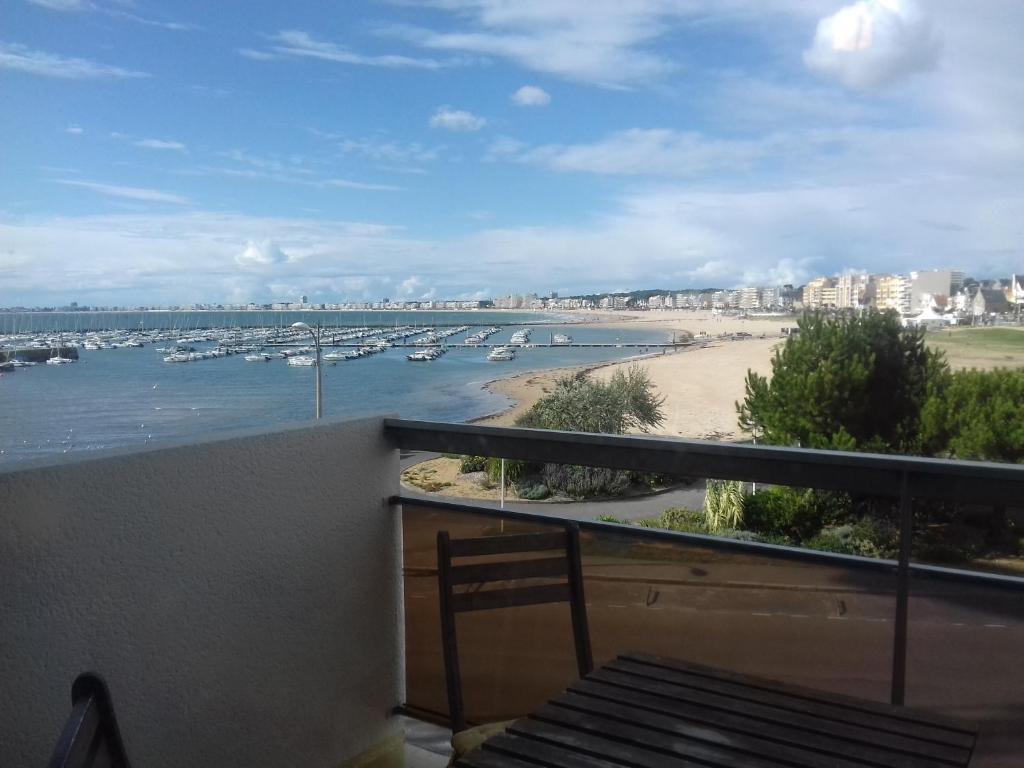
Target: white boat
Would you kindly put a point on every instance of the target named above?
(501, 354)
(561, 340)
(258, 357)
(303, 360)
(59, 360)
(334, 357)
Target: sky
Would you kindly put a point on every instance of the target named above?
(195, 151)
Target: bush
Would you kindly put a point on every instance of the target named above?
(610, 519)
(472, 464)
(584, 482)
(515, 470)
(795, 513)
(532, 491)
(683, 520)
(866, 537)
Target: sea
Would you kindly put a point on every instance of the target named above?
(117, 398)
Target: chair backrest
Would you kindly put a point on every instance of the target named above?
(563, 568)
(91, 738)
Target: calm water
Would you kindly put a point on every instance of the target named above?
(124, 397)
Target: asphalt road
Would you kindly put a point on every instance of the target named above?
(635, 508)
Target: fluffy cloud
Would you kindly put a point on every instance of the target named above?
(456, 120)
(20, 58)
(531, 96)
(74, 130)
(261, 254)
(608, 43)
(873, 43)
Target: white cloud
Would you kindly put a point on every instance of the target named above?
(654, 152)
(129, 193)
(74, 130)
(250, 53)
(409, 286)
(531, 96)
(294, 42)
(62, 5)
(365, 186)
(456, 120)
(612, 43)
(161, 144)
(873, 43)
(20, 58)
(261, 253)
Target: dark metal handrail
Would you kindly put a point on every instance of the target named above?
(898, 477)
(871, 473)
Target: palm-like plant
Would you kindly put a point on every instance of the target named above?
(723, 505)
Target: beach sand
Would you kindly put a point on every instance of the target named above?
(701, 384)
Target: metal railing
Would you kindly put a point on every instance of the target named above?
(900, 478)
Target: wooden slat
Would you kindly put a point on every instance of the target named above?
(482, 758)
(500, 545)
(888, 710)
(508, 745)
(807, 752)
(509, 598)
(786, 727)
(633, 737)
(789, 703)
(595, 745)
(507, 571)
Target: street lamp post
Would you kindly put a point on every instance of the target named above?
(319, 376)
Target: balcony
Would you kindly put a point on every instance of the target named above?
(270, 599)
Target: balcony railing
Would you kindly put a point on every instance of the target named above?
(934, 637)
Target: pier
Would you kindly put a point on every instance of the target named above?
(488, 345)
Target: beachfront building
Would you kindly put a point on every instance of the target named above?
(749, 298)
(892, 292)
(820, 293)
(852, 290)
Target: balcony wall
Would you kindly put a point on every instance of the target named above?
(240, 596)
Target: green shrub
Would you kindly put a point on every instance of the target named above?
(532, 491)
(610, 519)
(795, 513)
(514, 470)
(683, 520)
(584, 482)
(866, 537)
(472, 464)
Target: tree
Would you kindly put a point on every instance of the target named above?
(846, 383)
(627, 401)
(978, 415)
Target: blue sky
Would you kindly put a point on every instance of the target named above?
(195, 151)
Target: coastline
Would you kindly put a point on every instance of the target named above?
(701, 383)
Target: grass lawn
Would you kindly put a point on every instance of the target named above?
(980, 347)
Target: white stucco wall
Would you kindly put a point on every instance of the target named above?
(240, 596)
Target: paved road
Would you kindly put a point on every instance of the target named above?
(625, 509)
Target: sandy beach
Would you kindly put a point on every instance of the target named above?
(701, 384)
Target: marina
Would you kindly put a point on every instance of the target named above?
(121, 392)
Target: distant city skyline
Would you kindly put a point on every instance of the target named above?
(229, 152)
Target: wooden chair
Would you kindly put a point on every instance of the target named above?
(91, 738)
(565, 566)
